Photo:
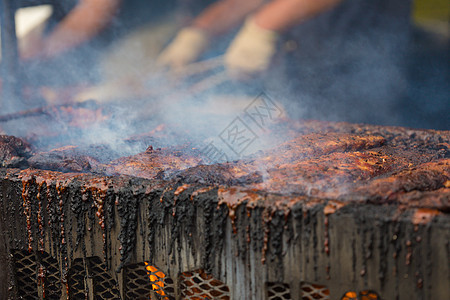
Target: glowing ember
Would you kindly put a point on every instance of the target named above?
(156, 279)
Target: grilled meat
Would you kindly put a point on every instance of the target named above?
(154, 163)
(416, 180)
(323, 161)
(64, 159)
(13, 152)
(342, 166)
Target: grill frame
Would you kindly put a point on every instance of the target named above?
(204, 239)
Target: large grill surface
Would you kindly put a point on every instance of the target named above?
(346, 212)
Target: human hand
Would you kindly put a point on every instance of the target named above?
(251, 51)
(186, 48)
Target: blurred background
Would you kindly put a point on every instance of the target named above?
(358, 61)
(429, 66)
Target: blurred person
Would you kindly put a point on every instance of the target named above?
(83, 21)
(255, 44)
(63, 49)
(130, 60)
(81, 35)
(339, 60)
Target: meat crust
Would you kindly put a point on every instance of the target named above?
(13, 152)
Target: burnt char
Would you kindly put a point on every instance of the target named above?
(345, 167)
(64, 159)
(259, 169)
(154, 163)
(221, 174)
(326, 168)
(341, 161)
(13, 152)
(73, 159)
(408, 183)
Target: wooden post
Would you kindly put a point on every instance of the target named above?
(10, 56)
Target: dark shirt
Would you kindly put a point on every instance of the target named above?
(355, 29)
(348, 63)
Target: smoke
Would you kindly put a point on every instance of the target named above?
(339, 66)
(228, 126)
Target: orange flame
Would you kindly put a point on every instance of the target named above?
(156, 279)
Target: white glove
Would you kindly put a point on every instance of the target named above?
(186, 48)
(251, 51)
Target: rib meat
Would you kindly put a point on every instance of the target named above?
(340, 161)
(64, 159)
(154, 163)
(13, 152)
(344, 166)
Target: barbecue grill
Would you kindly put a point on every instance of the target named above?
(180, 229)
(338, 211)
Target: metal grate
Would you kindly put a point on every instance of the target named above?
(162, 285)
(278, 291)
(89, 279)
(197, 285)
(144, 281)
(49, 276)
(136, 286)
(364, 295)
(25, 267)
(105, 287)
(312, 291)
(77, 277)
(36, 275)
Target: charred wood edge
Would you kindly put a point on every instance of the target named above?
(134, 192)
(47, 110)
(8, 285)
(128, 210)
(4, 250)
